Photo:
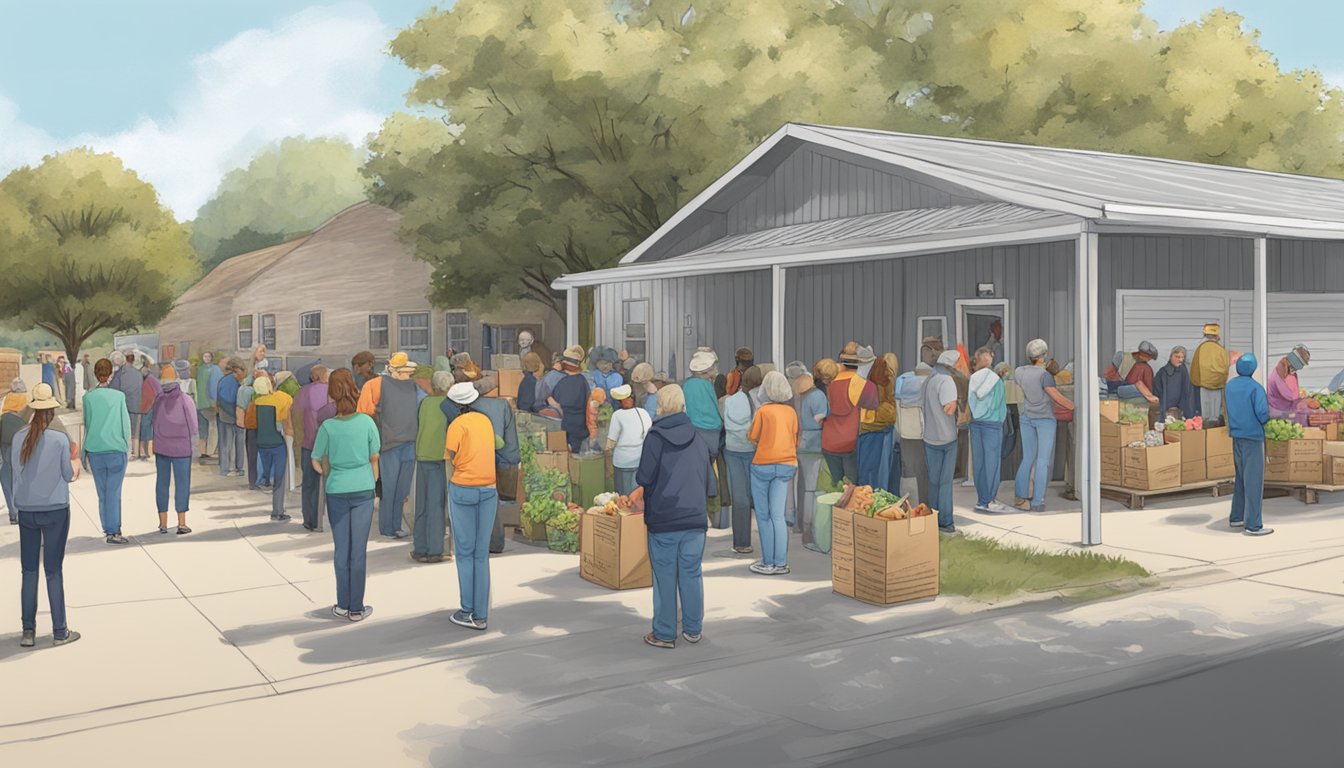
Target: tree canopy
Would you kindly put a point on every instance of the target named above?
(571, 131)
(87, 246)
(285, 191)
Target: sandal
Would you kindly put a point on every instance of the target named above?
(181, 529)
(162, 529)
(653, 640)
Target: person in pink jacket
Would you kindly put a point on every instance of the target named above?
(176, 442)
(1284, 392)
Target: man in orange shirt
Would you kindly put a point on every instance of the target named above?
(393, 400)
(473, 503)
(744, 358)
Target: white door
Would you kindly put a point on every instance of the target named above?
(977, 320)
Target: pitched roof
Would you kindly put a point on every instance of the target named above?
(236, 272)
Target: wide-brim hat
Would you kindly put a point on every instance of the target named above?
(401, 362)
(463, 393)
(182, 368)
(949, 358)
(620, 393)
(1212, 329)
(573, 354)
(43, 399)
(703, 361)
(865, 355)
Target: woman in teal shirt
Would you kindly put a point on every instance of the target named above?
(346, 452)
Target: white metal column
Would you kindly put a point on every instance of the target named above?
(571, 316)
(777, 317)
(1087, 401)
(1260, 311)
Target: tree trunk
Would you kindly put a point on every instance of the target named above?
(587, 317)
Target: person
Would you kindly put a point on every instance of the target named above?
(645, 391)
(10, 424)
(86, 369)
(175, 444)
(1173, 388)
(1247, 413)
(1140, 376)
(259, 358)
(345, 453)
(150, 389)
(1037, 423)
(1209, 374)
(1064, 431)
(546, 385)
(743, 359)
(508, 454)
(569, 396)
(596, 398)
(431, 479)
(473, 502)
(812, 412)
(107, 441)
(361, 365)
(875, 427)
(939, 409)
(995, 341)
(739, 409)
(527, 388)
(17, 398)
(625, 439)
(604, 373)
(208, 376)
(930, 349)
(528, 345)
(988, 413)
(775, 431)
(43, 472)
(270, 410)
(395, 399)
(68, 382)
(909, 392)
(799, 377)
(701, 405)
(1284, 393)
(127, 380)
(846, 396)
(676, 476)
(232, 447)
(311, 404)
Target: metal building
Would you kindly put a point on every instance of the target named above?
(824, 234)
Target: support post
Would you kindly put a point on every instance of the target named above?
(1260, 311)
(571, 316)
(1087, 401)
(777, 317)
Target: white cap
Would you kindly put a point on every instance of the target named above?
(463, 393)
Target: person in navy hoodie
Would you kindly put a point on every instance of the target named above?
(677, 477)
(1247, 414)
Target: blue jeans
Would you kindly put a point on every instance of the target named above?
(203, 426)
(231, 448)
(842, 465)
(109, 470)
(271, 464)
(250, 446)
(42, 535)
(942, 462)
(739, 488)
(624, 480)
(1038, 450)
(397, 467)
(473, 513)
(180, 472)
(674, 558)
(986, 455)
(431, 507)
(7, 486)
(350, 516)
(311, 492)
(870, 458)
(1248, 491)
(770, 491)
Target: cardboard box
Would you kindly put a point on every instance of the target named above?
(1333, 472)
(1295, 472)
(884, 562)
(557, 442)
(1012, 393)
(1332, 448)
(1217, 442)
(1194, 444)
(1194, 471)
(1152, 469)
(614, 551)
(1110, 456)
(1313, 433)
(1117, 435)
(1294, 451)
(507, 362)
(1219, 467)
(509, 380)
(1332, 431)
(558, 461)
(1114, 475)
(1110, 410)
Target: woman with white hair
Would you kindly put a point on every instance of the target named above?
(775, 431)
(1040, 397)
(625, 439)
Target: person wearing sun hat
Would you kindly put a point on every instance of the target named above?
(604, 373)
(393, 400)
(702, 407)
(473, 501)
(43, 471)
(570, 396)
(630, 424)
(847, 396)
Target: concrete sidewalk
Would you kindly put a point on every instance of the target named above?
(228, 631)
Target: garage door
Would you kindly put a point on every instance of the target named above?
(1313, 319)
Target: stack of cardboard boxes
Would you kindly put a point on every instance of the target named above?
(1206, 454)
(1297, 462)
(883, 561)
(1334, 463)
(1114, 437)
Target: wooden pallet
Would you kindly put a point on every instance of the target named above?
(1304, 492)
(1135, 499)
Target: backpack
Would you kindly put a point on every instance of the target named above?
(269, 434)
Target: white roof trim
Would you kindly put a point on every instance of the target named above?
(794, 256)
(1248, 223)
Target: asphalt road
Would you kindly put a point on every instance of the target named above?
(1281, 707)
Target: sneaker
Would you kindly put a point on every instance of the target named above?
(477, 623)
(743, 550)
(282, 518)
(1021, 503)
(968, 483)
(462, 619)
(1237, 523)
(997, 508)
(416, 557)
(1260, 532)
(1038, 508)
(813, 547)
(162, 529)
(691, 638)
(29, 638)
(653, 640)
(116, 538)
(182, 530)
(981, 508)
(762, 568)
(361, 615)
(948, 529)
(70, 637)
(1069, 494)
(339, 612)
(780, 570)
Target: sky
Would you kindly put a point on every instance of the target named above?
(185, 91)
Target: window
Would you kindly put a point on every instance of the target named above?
(930, 325)
(378, 334)
(310, 329)
(268, 331)
(455, 330)
(413, 335)
(634, 322)
(244, 331)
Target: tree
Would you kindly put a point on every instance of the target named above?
(571, 131)
(285, 191)
(87, 246)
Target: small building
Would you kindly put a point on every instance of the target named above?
(349, 286)
(825, 234)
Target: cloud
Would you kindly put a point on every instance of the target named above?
(314, 73)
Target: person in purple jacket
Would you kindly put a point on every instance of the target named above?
(312, 398)
(677, 478)
(176, 433)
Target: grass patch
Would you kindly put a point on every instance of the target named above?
(985, 569)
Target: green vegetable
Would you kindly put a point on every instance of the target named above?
(1281, 429)
(882, 498)
(542, 510)
(1175, 426)
(1133, 414)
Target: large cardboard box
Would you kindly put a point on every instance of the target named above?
(614, 551)
(1110, 410)
(1117, 435)
(1313, 433)
(508, 382)
(558, 461)
(557, 442)
(1334, 471)
(1217, 442)
(1153, 469)
(1333, 448)
(1295, 472)
(884, 562)
(1219, 467)
(1112, 466)
(1193, 454)
(1294, 451)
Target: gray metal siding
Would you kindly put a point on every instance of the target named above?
(1306, 266)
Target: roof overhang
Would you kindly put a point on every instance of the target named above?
(1233, 224)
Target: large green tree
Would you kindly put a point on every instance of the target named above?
(85, 246)
(286, 190)
(571, 131)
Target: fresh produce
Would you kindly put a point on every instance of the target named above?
(1282, 429)
(1173, 426)
(541, 509)
(562, 532)
(1330, 401)
(921, 511)
(1133, 414)
(566, 520)
(1153, 439)
(882, 498)
(862, 498)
